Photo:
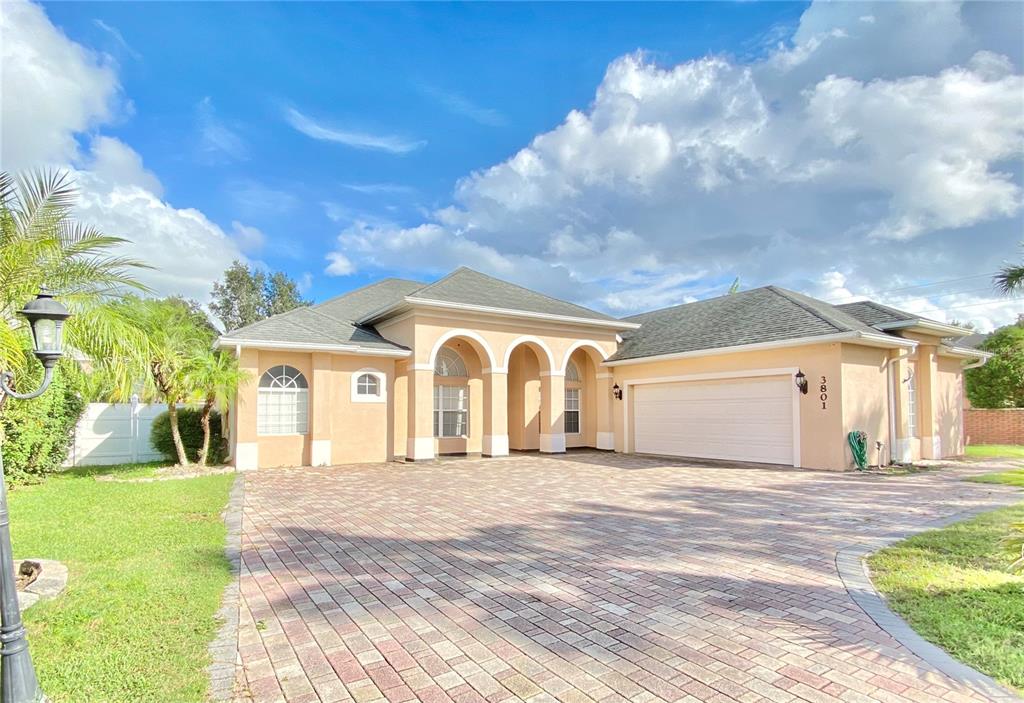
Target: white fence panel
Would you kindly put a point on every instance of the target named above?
(114, 433)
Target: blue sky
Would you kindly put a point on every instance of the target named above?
(623, 155)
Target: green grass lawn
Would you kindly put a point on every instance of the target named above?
(989, 451)
(147, 570)
(953, 587)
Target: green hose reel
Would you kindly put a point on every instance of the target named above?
(859, 446)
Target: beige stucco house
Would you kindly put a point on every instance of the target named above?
(472, 364)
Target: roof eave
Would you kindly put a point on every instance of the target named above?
(963, 352)
(923, 326)
(356, 349)
(855, 337)
(409, 302)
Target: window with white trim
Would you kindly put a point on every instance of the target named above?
(282, 402)
(912, 405)
(449, 363)
(451, 411)
(572, 410)
(367, 385)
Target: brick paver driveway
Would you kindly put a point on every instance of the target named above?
(589, 577)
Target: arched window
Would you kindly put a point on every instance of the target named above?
(449, 363)
(367, 384)
(572, 373)
(282, 405)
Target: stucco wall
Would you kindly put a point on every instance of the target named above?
(865, 394)
(949, 406)
(357, 432)
(822, 441)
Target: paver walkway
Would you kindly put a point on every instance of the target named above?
(589, 577)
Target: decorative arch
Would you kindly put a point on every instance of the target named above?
(527, 338)
(579, 345)
(469, 334)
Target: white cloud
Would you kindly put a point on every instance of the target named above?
(52, 89)
(55, 92)
(255, 198)
(249, 239)
(882, 150)
(461, 105)
(118, 37)
(338, 265)
(186, 250)
(217, 141)
(379, 188)
(390, 143)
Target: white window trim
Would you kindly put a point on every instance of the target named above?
(579, 412)
(382, 385)
(303, 397)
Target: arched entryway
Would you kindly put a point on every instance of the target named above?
(534, 407)
(459, 396)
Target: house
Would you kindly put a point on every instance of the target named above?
(472, 364)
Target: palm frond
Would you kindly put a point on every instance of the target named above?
(44, 198)
(1010, 279)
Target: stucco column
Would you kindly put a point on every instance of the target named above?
(927, 391)
(420, 443)
(495, 413)
(246, 453)
(605, 430)
(902, 442)
(552, 412)
(321, 402)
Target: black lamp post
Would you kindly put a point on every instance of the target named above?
(18, 683)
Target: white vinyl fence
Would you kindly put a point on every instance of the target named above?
(114, 433)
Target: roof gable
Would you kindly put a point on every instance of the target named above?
(756, 316)
(464, 286)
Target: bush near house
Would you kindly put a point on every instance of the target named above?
(190, 426)
(35, 434)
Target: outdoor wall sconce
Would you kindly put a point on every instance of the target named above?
(801, 381)
(617, 392)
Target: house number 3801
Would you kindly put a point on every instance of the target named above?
(824, 393)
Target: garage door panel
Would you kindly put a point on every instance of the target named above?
(748, 419)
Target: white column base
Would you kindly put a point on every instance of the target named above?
(606, 440)
(552, 443)
(419, 449)
(495, 445)
(247, 456)
(320, 452)
(902, 451)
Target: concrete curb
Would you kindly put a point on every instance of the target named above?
(853, 571)
(224, 648)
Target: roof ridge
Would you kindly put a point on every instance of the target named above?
(363, 328)
(362, 288)
(444, 278)
(260, 322)
(695, 302)
(791, 296)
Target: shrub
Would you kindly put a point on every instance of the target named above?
(36, 434)
(191, 435)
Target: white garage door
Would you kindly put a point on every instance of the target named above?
(749, 419)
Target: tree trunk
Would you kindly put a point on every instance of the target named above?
(179, 446)
(204, 420)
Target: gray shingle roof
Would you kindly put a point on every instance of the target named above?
(872, 313)
(768, 314)
(332, 321)
(464, 285)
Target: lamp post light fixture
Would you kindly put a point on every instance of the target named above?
(617, 392)
(18, 682)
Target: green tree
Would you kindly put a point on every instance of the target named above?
(1010, 278)
(1000, 382)
(175, 338)
(216, 377)
(42, 244)
(248, 295)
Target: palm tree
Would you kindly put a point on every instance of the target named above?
(42, 245)
(1010, 279)
(216, 376)
(174, 340)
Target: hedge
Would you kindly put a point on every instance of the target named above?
(191, 435)
(36, 434)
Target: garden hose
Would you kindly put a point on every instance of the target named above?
(859, 446)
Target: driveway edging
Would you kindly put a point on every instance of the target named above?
(853, 572)
(224, 648)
